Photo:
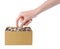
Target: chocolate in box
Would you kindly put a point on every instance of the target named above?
(18, 36)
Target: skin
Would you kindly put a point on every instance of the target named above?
(27, 16)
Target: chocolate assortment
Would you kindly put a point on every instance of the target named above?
(18, 29)
(18, 36)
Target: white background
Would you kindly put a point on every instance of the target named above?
(46, 26)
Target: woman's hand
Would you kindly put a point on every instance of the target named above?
(25, 18)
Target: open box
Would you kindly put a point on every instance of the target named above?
(18, 37)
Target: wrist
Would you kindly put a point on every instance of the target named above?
(37, 11)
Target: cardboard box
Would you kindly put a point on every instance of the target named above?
(18, 38)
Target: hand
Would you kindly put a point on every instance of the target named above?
(25, 18)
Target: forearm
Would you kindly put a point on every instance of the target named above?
(46, 5)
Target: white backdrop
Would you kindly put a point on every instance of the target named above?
(46, 26)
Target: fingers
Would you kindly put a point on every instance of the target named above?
(21, 19)
(27, 23)
(17, 20)
(23, 23)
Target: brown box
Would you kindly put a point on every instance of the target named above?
(18, 38)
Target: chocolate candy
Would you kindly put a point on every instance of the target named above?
(18, 29)
(27, 28)
(6, 28)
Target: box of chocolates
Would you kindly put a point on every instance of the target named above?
(18, 36)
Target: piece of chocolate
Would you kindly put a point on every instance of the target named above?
(18, 29)
(23, 29)
(9, 29)
(6, 28)
(14, 29)
(27, 28)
